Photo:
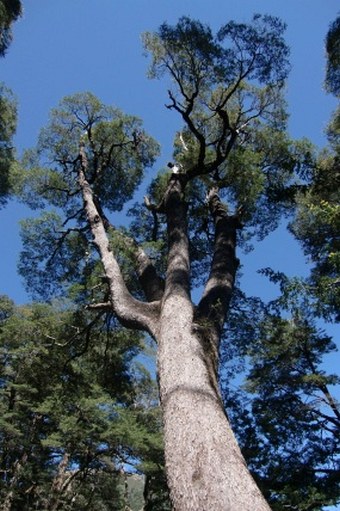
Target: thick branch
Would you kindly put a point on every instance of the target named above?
(130, 312)
(178, 267)
(215, 300)
(152, 284)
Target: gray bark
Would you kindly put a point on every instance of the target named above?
(131, 312)
(60, 483)
(205, 468)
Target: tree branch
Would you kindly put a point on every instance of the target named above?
(215, 300)
(152, 284)
(130, 311)
(178, 267)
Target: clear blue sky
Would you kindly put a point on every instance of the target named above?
(66, 46)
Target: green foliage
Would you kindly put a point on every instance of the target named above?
(228, 90)
(118, 150)
(8, 118)
(10, 10)
(317, 223)
(74, 410)
(199, 57)
(285, 417)
(333, 58)
(66, 251)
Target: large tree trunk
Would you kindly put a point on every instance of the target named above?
(205, 468)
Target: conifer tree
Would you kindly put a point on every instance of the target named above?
(75, 412)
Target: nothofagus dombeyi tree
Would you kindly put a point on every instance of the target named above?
(232, 162)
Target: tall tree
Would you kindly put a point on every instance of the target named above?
(226, 89)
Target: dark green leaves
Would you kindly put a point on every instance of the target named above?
(74, 410)
(228, 91)
(118, 150)
(8, 117)
(58, 249)
(193, 54)
(333, 54)
(256, 51)
(10, 10)
(188, 51)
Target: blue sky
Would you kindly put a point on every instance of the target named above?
(66, 46)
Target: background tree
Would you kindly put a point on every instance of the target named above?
(8, 121)
(333, 59)
(284, 413)
(10, 10)
(317, 222)
(76, 411)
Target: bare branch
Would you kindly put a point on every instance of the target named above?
(130, 311)
(106, 306)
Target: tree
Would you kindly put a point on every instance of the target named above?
(75, 410)
(284, 414)
(227, 90)
(317, 221)
(332, 81)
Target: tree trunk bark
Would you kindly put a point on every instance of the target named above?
(205, 468)
(59, 483)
